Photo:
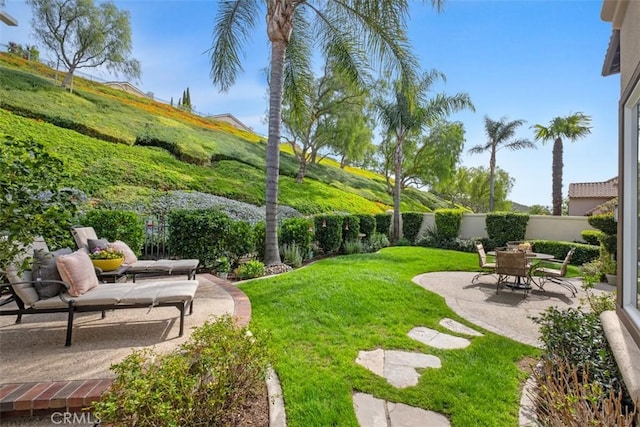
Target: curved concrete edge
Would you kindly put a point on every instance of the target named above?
(526, 414)
(453, 304)
(624, 350)
(277, 416)
(241, 302)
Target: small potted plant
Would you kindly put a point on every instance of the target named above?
(610, 270)
(223, 267)
(106, 259)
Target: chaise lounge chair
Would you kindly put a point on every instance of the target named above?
(83, 236)
(81, 292)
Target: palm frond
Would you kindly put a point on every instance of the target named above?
(520, 144)
(234, 22)
(298, 76)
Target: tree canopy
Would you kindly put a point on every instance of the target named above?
(572, 127)
(356, 34)
(83, 35)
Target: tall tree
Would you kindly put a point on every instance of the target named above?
(83, 35)
(405, 116)
(572, 127)
(470, 187)
(499, 135)
(294, 29)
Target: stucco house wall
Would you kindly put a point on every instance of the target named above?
(630, 42)
(578, 207)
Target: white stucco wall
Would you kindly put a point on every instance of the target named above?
(545, 227)
(629, 43)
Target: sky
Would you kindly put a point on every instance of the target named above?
(531, 60)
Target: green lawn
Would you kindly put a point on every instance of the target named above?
(320, 316)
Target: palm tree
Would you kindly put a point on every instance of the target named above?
(407, 115)
(572, 127)
(295, 28)
(499, 134)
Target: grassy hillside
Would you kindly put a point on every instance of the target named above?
(121, 147)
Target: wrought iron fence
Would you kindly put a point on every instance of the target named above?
(156, 236)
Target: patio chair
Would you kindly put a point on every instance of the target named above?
(488, 267)
(557, 276)
(515, 264)
(84, 235)
(79, 291)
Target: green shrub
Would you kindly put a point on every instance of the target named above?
(383, 223)
(448, 222)
(198, 234)
(577, 337)
(411, 223)
(375, 242)
(367, 224)
(583, 254)
(591, 237)
(205, 382)
(117, 225)
(604, 222)
(259, 233)
(290, 254)
(506, 226)
(403, 241)
(329, 232)
(250, 270)
(353, 246)
(433, 239)
(609, 227)
(296, 231)
(240, 240)
(350, 229)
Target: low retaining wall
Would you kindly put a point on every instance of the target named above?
(539, 227)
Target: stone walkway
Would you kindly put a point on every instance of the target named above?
(506, 313)
(399, 368)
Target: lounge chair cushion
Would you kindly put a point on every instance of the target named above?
(25, 291)
(45, 268)
(129, 256)
(77, 270)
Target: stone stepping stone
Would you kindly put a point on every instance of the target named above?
(397, 367)
(373, 412)
(458, 327)
(436, 339)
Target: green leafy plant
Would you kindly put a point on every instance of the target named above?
(117, 225)
(202, 383)
(198, 234)
(411, 223)
(329, 232)
(577, 337)
(506, 226)
(367, 224)
(448, 222)
(222, 265)
(383, 223)
(106, 253)
(34, 200)
(583, 253)
(350, 228)
(591, 237)
(375, 242)
(290, 253)
(250, 270)
(353, 246)
(297, 231)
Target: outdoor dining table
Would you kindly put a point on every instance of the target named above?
(532, 256)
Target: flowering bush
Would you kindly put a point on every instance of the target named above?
(106, 253)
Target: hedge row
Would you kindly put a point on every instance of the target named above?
(584, 253)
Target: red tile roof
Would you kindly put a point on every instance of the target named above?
(594, 189)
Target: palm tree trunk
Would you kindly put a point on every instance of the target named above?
(271, 250)
(556, 176)
(492, 179)
(397, 231)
